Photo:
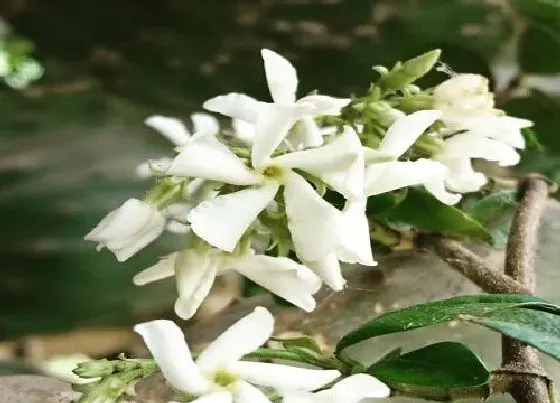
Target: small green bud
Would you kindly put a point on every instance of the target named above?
(94, 369)
(406, 73)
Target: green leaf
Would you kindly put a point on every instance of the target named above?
(306, 342)
(433, 371)
(426, 213)
(537, 328)
(495, 212)
(540, 50)
(380, 203)
(433, 313)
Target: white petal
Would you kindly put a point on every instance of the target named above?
(461, 177)
(477, 146)
(282, 276)
(167, 345)
(314, 223)
(305, 134)
(205, 157)
(243, 337)
(324, 105)
(328, 268)
(155, 166)
(356, 388)
(162, 269)
(503, 128)
(389, 176)
(222, 220)
(235, 105)
(340, 164)
(216, 397)
(437, 189)
(205, 123)
(402, 134)
(273, 123)
(283, 377)
(247, 393)
(355, 246)
(302, 397)
(244, 131)
(195, 272)
(281, 77)
(172, 129)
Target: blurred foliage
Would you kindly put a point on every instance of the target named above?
(70, 141)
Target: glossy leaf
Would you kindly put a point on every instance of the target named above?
(539, 329)
(426, 213)
(433, 313)
(432, 369)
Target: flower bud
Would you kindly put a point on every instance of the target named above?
(128, 229)
(94, 369)
(464, 94)
(406, 73)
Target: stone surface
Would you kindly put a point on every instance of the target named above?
(34, 389)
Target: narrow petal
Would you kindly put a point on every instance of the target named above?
(324, 105)
(244, 392)
(282, 276)
(216, 397)
(281, 77)
(205, 157)
(340, 164)
(328, 268)
(504, 128)
(302, 397)
(402, 134)
(221, 221)
(195, 272)
(305, 134)
(205, 123)
(355, 246)
(389, 176)
(243, 337)
(437, 189)
(273, 124)
(162, 269)
(314, 223)
(235, 105)
(356, 388)
(167, 345)
(462, 177)
(171, 128)
(283, 377)
(477, 146)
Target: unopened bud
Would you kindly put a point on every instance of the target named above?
(406, 73)
(94, 369)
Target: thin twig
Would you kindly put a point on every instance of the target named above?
(520, 266)
(472, 266)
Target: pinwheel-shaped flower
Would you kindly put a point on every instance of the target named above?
(196, 269)
(219, 375)
(315, 225)
(385, 172)
(281, 115)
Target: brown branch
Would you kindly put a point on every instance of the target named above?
(472, 266)
(520, 266)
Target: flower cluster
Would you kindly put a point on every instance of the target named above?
(281, 197)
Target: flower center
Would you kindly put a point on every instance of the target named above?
(224, 378)
(273, 172)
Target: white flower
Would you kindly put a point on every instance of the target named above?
(273, 126)
(128, 229)
(463, 94)
(196, 269)
(219, 375)
(313, 223)
(386, 173)
(349, 390)
(176, 132)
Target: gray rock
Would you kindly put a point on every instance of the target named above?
(34, 389)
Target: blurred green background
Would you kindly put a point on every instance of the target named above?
(70, 140)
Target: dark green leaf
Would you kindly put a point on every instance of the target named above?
(432, 313)
(540, 50)
(306, 342)
(440, 366)
(423, 211)
(537, 328)
(380, 203)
